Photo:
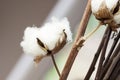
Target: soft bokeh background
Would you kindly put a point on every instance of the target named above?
(16, 15)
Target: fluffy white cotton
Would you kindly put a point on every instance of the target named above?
(54, 30)
(117, 18)
(49, 34)
(95, 4)
(29, 43)
(111, 3)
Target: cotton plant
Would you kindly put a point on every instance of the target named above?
(53, 36)
(107, 11)
(46, 40)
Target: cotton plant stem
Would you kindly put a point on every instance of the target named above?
(53, 59)
(116, 70)
(92, 66)
(89, 34)
(84, 21)
(93, 31)
(102, 58)
(109, 62)
(108, 59)
(112, 67)
(74, 50)
(112, 48)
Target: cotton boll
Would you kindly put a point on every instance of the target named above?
(107, 12)
(100, 11)
(48, 39)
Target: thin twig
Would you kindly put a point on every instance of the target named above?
(93, 31)
(102, 58)
(89, 34)
(92, 66)
(53, 59)
(74, 50)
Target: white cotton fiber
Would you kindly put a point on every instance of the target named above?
(111, 3)
(29, 42)
(95, 5)
(54, 30)
(49, 34)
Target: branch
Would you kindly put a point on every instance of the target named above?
(102, 58)
(112, 48)
(92, 66)
(116, 71)
(74, 50)
(105, 69)
(114, 68)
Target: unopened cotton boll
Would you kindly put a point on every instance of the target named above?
(107, 11)
(46, 40)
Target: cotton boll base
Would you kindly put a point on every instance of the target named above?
(48, 39)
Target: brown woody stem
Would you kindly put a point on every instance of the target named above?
(92, 66)
(74, 50)
(102, 58)
(105, 69)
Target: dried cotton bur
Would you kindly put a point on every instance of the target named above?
(46, 40)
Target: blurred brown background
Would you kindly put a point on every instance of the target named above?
(15, 15)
